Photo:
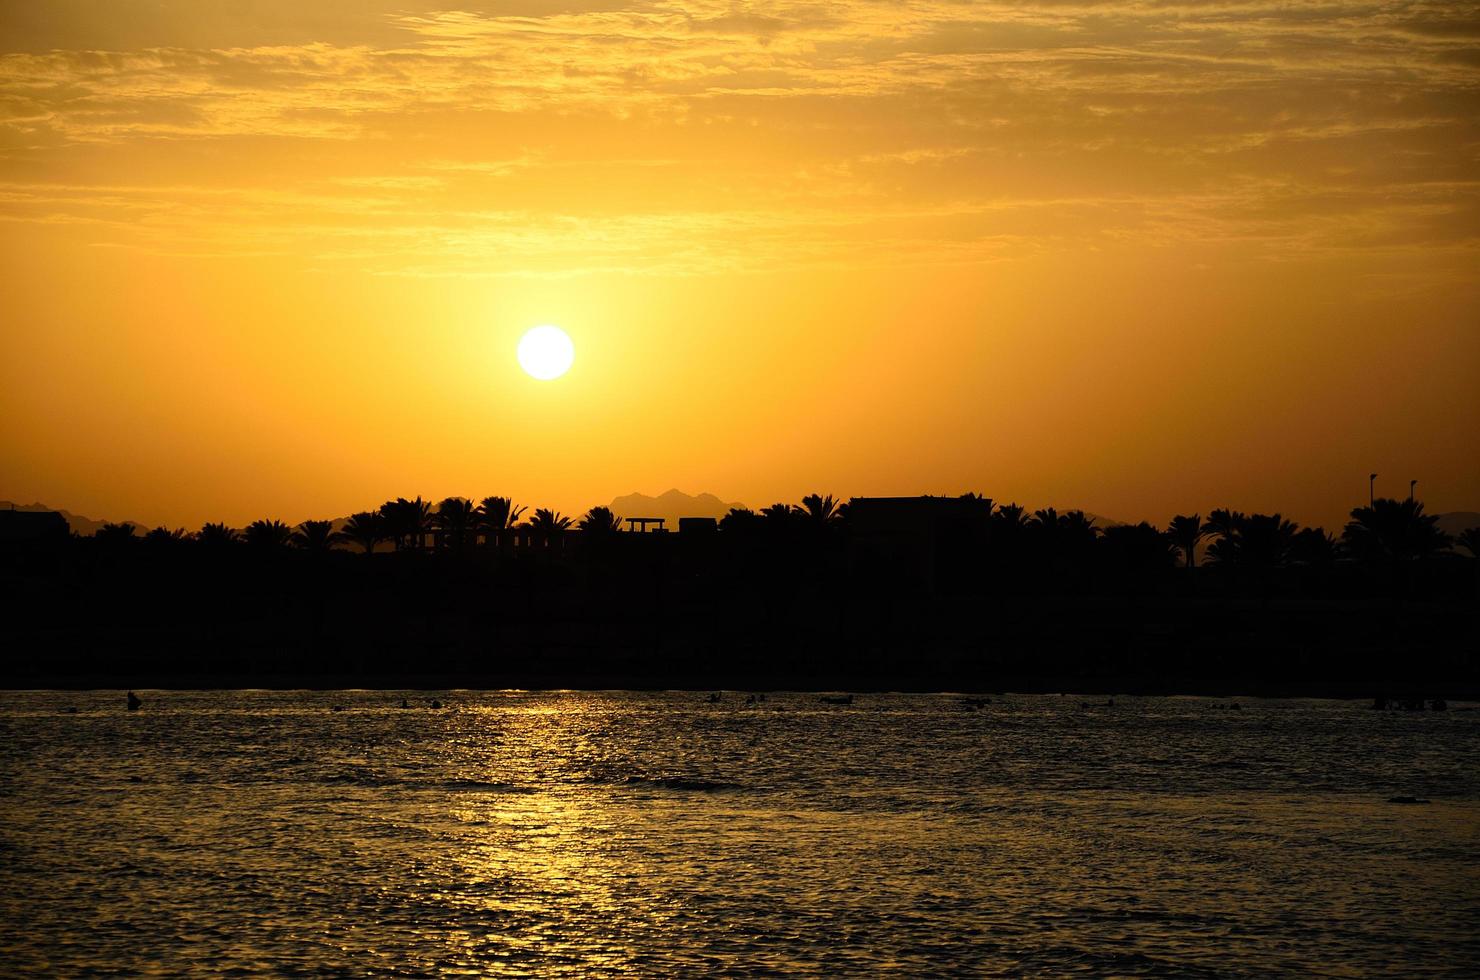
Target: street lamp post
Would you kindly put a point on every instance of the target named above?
(1411, 485)
(1370, 480)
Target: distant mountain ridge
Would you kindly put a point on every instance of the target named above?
(1460, 520)
(671, 506)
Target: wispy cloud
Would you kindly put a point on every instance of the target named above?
(668, 137)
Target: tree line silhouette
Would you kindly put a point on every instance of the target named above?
(937, 592)
(1388, 531)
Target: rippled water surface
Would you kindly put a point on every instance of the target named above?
(658, 834)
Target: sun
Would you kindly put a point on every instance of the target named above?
(545, 352)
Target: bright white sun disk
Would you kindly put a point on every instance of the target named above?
(546, 352)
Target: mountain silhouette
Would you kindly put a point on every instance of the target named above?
(1459, 521)
(671, 506)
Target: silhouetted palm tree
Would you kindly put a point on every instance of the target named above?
(1394, 530)
(457, 520)
(393, 519)
(781, 522)
(1223, 526)
(548, 525)
(366, 529)
(419, 520)
(1049, 544)
(978, 499)
(1185, 532)
(820, 510)
(1078, 526)
(1043, 529)
(408, 521)
(115, 534)
(1011, 518)
(1313, 546)
(497, 515)
(740, 520)
(316, 536)
(1008, 524)
(1258, 541)
(601, 532)
(1074, 535)
(217, 535)
(163, 537)
(780, 514)
(600, 522)
(1265, 540)
(268, 535)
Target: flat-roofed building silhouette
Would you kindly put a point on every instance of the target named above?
(32, 527)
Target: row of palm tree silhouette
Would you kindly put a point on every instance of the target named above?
(457, 524)
(1387, 529)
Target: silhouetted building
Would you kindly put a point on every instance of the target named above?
(697, 525)
(641, 523)
(924, 542)
(32, 527)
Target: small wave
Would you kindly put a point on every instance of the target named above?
(690, 783)
(391, 782)
(474, 786)
(357, 779)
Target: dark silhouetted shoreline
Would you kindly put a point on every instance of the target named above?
(907, 594)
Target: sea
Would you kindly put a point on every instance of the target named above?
(689, 834)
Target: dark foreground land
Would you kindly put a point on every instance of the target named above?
(663, 611)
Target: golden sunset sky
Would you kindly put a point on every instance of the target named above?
(271, 259)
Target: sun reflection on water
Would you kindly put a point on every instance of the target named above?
(590, 834)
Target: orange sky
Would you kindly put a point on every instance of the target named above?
(273, 260)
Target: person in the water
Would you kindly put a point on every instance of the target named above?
(133, 701)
